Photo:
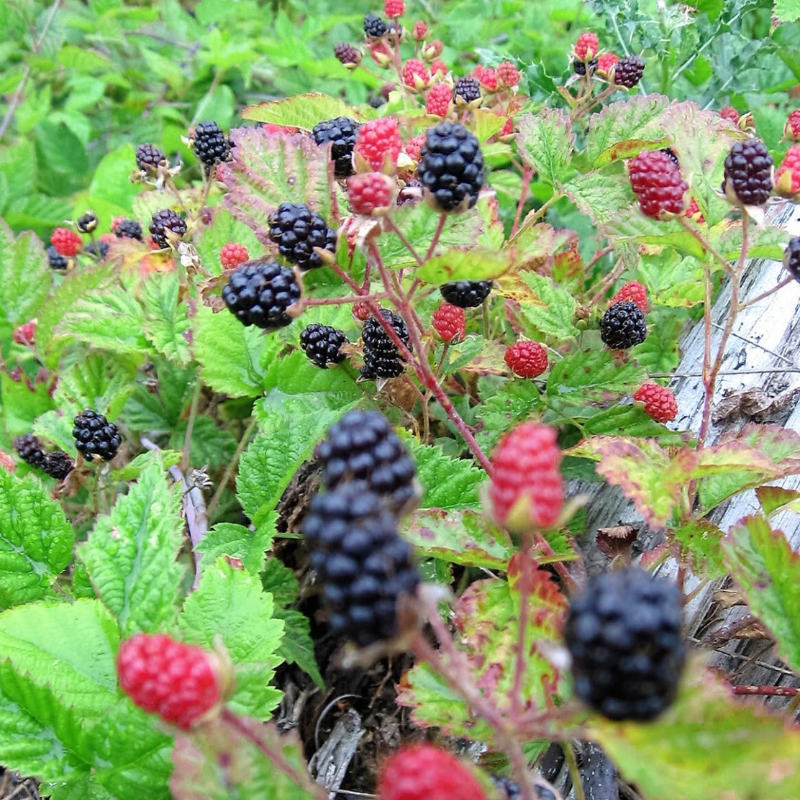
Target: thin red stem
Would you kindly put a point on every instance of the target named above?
(341, 301)
(527, 177)
(436, 236)
(768, 691)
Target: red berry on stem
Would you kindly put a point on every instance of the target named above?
(792, 129)
(66, 242)
(508, 127)
(232, 255)
(414, 147)
(486, 76)
(178, 682)
(787, 178)
(526, 359)
(361, 312)
(370, 192)
(425, 772)
(693, 212)
(438, 67)
(450, 322)
(730, 113)
(419, 31)
(508, 74)
(634, 292)
(659, 402)
(25, 333)
(438, 99)
(415, 74)
(394, 8)
(605, 63)
(657, 182)
(378, 144)
(526, 465)
(587, 46)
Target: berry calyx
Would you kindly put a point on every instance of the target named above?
(299, 233)
(340, 134)
(450, 322)
(95, 437)
(178, 682)
(730, 113)
(232, 254)
(791, 258)
(792, 128)
(787, 178)
(633, 291)
(657, 182)
(659, 402)
(628, 72)
(486, 77)
(415, 74)
(370, 193)
(526, 482)
(323, 344)
(425, 772)
(748, 173)
(378, 144)
(508, 74)
(166, 227)
(260, 293)
(394, 8)
(623, 326)
(624, 635)
(438, 100)
(527, 359)
(467, 90)
(606, 63)
(587, 46)
(66, 242)
(347, 54)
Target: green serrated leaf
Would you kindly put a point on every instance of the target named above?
(297, 646)
(133, 469)
(302, 111)
(24, 276)
(599, 195)
(131, 553)
(700, 545)
(236, 541)
(629, 420)
(630, 224)
(21, 404)
(476, 264)
(448, 483)
(166, 321)
(764, 565)
(515, 402)
(546, 141)
(618, 124)
(231, 605)
(36, 540)
(553, 315)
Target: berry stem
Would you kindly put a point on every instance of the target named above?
(436, 236)
(706, 245)
(527, 177)
(341, 301)
(400, 235)
(575, 773)
(768, 691)
(764, 295)
(526, 562)
(609, 279)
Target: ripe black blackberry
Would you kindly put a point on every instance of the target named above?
(95, 436)
(363, 446)
(628, 71)
(623, 326)
(29, 449)
(382, 359)
(374, 26)
(298, 230)
(260, 293)
(210, 145)
(579, 67)
(451, 166)
(57, 261)
(671, 155)
(791, 258)
(98, 250)
(340, 133)
(466, 294)
(361, 561)
(624, 635)
(163, 221)
(323, 344)
(128, 229)
(376, 101)
(149, 158)
(748, 173)
(58, 465)
(87, 222)
(468, 89)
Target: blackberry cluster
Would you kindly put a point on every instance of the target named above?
(466, 294)
(362, 563)
(468, 89)
(581, 67)
(374, 26)
(623, 326)
(29, 449)
(323, 344)
(451, 167)
(95, 436)
(260, 292)
(97, 249)
(624, 635)
(298, 230)
(128, 229)
(210, 145)
(748, 173)
(87, 222)
(56, 260)
(791, 258)
(340, 134)
(58, 465)
(628, 71)
(149, 158)
(382, 359)
(163, 221)
(362, 446)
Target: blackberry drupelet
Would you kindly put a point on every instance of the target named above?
(468, 89)
(56, 260)
(58, 465)
(466, 294)
(451, 167)
(163, 221)
(382, 358)
(623, 326)
(361, 561)
(340, 134)
(628, 71)
(210, 145)
(128, 229)
(298, 230)
(323, 344)
(748, 173)
(791, 258)
(363, 446)
(95, 436)
(624, 635)
(29, 449)
(374, 26)
(149, 158)
(260, 293)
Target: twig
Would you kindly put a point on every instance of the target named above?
(764, 295)
(436, 236)
(768, 691)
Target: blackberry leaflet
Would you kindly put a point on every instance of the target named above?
(340, 133)
(623, 326)
(163, 221)
(323, 344)
(466, 294)
(260, 293)
(210, 145)
(382, 359)
(96, 437)
(298, 230)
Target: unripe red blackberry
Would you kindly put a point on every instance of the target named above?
(378, 144)
(30, 450)
(731, 114)
(323, 344)
(210, 144)
(96, 437)
(656, 180)
(787, 178)
(164, 221)
(437, 101)
(486, 77)
(606, 63)
(792, 128)
(260, 293)
(467, 90)
(87, 222)
(419, 31)
(394, 8)
(347, 54)
(659, 402)
(466, 294)
(340, 134)
(633, 291)
(624, 634)
(232, 255)
(527, 359)
(149, 158)
(748, 173)
(382, 359)
(361, 561)
(370, 193)
(415, 74)
(628, 71)
(508, 74)
(587, 46)
(449, 322)
(66, 242)
(298, 231)
(128, 229)
(791, 258)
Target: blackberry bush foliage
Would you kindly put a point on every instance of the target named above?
(458, 404)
